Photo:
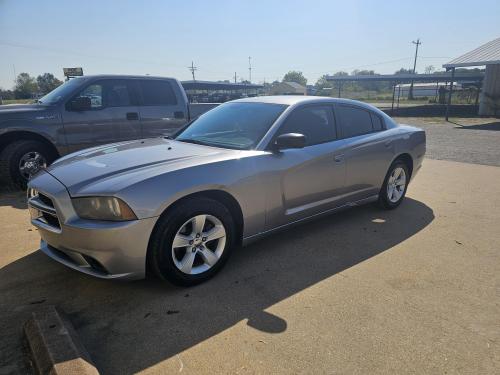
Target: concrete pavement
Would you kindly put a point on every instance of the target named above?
(415, 290)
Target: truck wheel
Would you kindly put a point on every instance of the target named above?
(22, 159)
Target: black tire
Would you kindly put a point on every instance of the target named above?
(160, 258)
(11, 156)
(383, 198)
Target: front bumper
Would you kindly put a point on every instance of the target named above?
(104, 249)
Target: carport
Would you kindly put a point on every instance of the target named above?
(486, 55)
(396, 79)
(220, 91)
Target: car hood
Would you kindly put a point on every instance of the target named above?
(115, 166)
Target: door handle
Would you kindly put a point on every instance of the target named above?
(132, 116)
(339, 158)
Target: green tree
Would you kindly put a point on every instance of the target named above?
(404, 71)
(47, 82)
(294, 76)
(25, 86)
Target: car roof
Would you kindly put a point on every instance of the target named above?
(300, 99)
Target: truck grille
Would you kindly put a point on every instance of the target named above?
(42, 209)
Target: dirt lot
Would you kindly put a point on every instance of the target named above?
(415, 290)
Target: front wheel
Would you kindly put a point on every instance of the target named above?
(192, 242)
(395, 184)
(20, 160)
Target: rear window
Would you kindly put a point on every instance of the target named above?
(156, 92)
(377, 123)
(354, 121)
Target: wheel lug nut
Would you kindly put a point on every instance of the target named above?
(191, 242)
(204, 239)
(197, 235)
(193, 249)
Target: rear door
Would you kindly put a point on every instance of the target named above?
(162, 109)
(367, 149)
(121, 100)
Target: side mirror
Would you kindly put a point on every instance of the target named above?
(290, 140)
(81, 103)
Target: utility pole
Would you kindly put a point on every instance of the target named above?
(417, 43)
(192, 68)
(234, 77)
(249, 69)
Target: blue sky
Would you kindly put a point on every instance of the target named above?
(163, 37)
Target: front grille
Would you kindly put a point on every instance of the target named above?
(46, 212)
(46, 200)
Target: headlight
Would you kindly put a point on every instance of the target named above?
(103, 208)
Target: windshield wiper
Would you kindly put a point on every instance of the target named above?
(194, 141)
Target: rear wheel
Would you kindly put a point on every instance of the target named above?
(192, 242)
(20, 160)
(395, 184)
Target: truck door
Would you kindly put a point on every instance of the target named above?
(111, 117)
(161, 110)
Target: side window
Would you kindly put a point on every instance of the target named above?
(94, 93)
(354, 121)
(377, 122)
(315, 122)
(117, 94)
(156, 92)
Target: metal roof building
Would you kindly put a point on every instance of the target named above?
(486, 55)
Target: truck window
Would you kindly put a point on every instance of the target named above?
(94, 92)
(117, 94)
(156, 92)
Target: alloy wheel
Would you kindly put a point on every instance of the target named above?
(198, 244)
(396, 184)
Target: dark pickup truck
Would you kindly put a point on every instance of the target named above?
(85, 112)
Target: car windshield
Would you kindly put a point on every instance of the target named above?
(232, 125)
(60, 92)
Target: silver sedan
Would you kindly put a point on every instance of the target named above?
(177, 206)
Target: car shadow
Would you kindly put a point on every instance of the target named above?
(131, 326)
(492, 126)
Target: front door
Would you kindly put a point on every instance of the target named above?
(108, 119)
(311, 178)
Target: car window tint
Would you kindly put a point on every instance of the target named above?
(354, 121)
(117, 94)
(94, 93)
(156, 92)
(315, 122)
(377, 122)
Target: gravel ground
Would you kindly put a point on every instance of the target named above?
(474, 140)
